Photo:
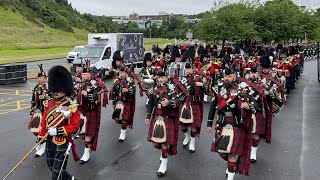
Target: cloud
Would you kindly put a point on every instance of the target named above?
(151, 7)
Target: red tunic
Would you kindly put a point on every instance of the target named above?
(50, 118)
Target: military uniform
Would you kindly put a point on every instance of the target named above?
(164, 124)
(193, 105)
(60, 126)
(123, 102)
(233, 128)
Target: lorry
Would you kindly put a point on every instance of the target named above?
(101, 47)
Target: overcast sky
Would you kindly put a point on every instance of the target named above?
(153, 7)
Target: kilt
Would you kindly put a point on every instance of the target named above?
(238, 140)
(269, 117)
(55, 156)
(128, 113)
(93, 126)
(197, 117)
(172, 131)
(260, 124)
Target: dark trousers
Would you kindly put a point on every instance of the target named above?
(55, 157)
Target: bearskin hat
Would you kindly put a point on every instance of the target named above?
(41, 73)
(117, 56)
(228, 71)
(60, 80)
(265, 62)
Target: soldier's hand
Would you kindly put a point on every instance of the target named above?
(245, 105)
(164, 102)
(209, 130)
(77, 79)
(199, 84)
(266, 92)
(124, 90)
(83, 92)
(146, 121)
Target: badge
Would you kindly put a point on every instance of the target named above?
(62, 108)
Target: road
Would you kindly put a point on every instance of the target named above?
(292, 155)
(31, 66)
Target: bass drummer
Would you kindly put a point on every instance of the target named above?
(39, 95)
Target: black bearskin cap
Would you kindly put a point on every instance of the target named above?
(148, 57)
(265, 62)
(60, 80)
(161, 73)
(117, 56)
(228, 71)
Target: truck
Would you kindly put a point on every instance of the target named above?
(101, 47)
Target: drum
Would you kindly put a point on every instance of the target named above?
(174, 66)
(35, 122)
(246, 73)
(147, 84)
(277, 105)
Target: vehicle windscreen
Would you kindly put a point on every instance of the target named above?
(77, 49)
(91, 52)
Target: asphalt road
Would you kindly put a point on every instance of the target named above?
(31, 66)
(292, 155)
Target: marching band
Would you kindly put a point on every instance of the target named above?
(248, 84)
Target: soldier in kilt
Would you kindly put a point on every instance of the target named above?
(124, 100)
(39, 95)
(232, 138)
(90, 105)
(195, 85)
(62, 119)
(259, 125)
(162, 113)
(117, 62)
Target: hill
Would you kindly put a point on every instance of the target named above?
(41, 23)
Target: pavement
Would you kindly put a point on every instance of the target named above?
(292, 155)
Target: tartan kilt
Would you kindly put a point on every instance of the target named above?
(238, 140)
(197, 117)
(126, 114)
(55, 156)
(172, 130)
(260, 124)
(93, 125)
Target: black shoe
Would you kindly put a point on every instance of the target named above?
(36, 156)
(83, 162)
(253, 161)
(192, 151)
(121, 140)
(160, 174)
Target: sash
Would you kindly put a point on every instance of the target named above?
(223, 102)
(53, 116)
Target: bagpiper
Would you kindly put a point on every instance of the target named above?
(90, 104)
(191, 111)
(232, 113)
(117, 62)
(39, 95)
(260, 126)
(124, 100)
(61, 119)
(147, 73)
(162, 113)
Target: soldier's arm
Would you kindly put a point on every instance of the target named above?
(72, 127)
(150, 106)
(212, 111)
(43, 125)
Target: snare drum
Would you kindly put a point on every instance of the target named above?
(277, 105)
